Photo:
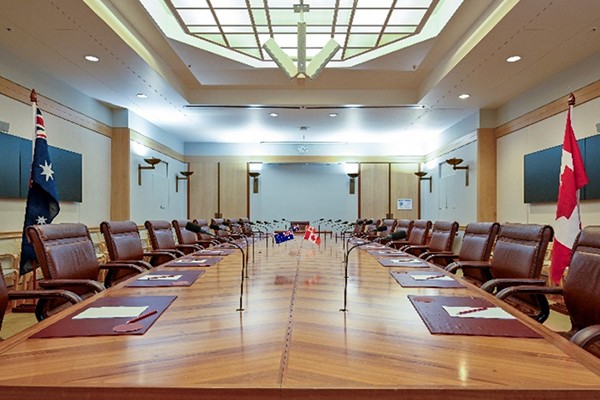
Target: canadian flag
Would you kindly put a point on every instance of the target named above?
(568, 222)
(311, 235)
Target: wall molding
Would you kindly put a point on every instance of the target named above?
(156, 146)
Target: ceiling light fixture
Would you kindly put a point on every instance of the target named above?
(274, 115)
(142, 95)
(333, 115)
(301, 70)
(513, 59)
(464, 96)
(91, 58)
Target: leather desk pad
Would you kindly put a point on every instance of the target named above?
(187, 279)
(405, 280)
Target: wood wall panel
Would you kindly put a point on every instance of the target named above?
(234, 189)
(404, 185)
(374, 190)
(486, 175)
(120, 194)
(203, 189)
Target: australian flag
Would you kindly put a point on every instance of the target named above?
(283, 236)
(42, 198)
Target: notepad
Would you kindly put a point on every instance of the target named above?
(159, 278)
(111, 312)
(477, 312)
(432, 277)
(188, 261)
(416, 261)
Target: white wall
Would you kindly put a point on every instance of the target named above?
(95, 151)
(510, 152)
(451, 199)
(304, 192)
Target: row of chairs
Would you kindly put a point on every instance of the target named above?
(70, 267)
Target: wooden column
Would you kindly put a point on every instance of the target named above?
(120, 175)
(486, 175)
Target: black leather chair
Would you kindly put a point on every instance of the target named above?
(161, 238)
(441, 241)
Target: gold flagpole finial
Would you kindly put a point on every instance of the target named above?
(33, 96)
(571, 101)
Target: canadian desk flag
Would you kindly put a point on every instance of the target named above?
(311, 235)
(568, 223)
(42, 198)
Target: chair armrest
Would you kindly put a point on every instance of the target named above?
(62, 283)
(160, 253)
(194, 247)
(455, 266)
(121, 265)
(586, 336)
(502, 283)
(447, 255)
(40, 294)
(141, 263)
(539, 292)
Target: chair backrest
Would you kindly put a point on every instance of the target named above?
(234, 225)
(390, 225)
(3, 298)
(405, 225)
(582, 283)
(359, 227)
(183, 235)
(419, 232)
(520, 250)
(123, 240)
(371, 227)
(246, 227)
(222, 231)
(442, 236)
(160, 234)
(478, 241)
(204, 225)
(64, 251)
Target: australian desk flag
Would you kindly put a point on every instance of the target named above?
(283, 236)
(42, 198)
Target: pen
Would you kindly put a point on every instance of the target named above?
(141, 316)
(472, 310)
(435, 277)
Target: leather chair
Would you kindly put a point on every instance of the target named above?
(405, 225)
(517, 258)
(418, 235)
(162, 239)
(441, 241)
(124, 244)
(183, 235)
(203, 239)
(8, 295)
(477, 243)
(222, 231)
(580, 291)
(246, 227)
(389, 224)
(66, 256)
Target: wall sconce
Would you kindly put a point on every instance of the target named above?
(186, 177)
(352, 171)
(254, 169)
(421, 175)
(454, 162)
(152, 161)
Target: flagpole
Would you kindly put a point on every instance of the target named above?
(34, 104)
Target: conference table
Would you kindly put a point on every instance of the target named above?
(291, 341)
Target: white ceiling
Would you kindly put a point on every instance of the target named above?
(403, 96)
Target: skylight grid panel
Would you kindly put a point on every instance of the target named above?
(238, 29)
(316, 40)
(406, 17)
(409, 29)
(318, 17)
(285, 29)
(218, 39)
(370, 17)
(375, 4)
(319, 29)
(283, 17)
(257, 3)
(366, 29)
(289, 4)
(260, 16)
(286, 40)
(203, 29)
(189, 3)
(413, 3)
(197, 17)
(241, 40)
(233, 17)
(362, 40)
(228, 4)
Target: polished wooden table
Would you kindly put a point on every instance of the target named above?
(292, 342)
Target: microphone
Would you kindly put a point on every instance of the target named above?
(399, 235)
(190, 226)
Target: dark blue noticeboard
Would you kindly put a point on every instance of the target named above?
(15, 167)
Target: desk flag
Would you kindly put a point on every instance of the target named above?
(568, 222)
(283, 236)
(311, 235)
(42, 198)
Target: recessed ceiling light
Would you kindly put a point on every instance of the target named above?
(333, 115)
(464, 96)
(274, 115)
(513, 59)
(92, 58)
(142, 95)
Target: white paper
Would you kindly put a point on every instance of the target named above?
(111, 312)
(416, 261)
(159, 278)
(491, 312)
(431, 277)
(192, 261)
